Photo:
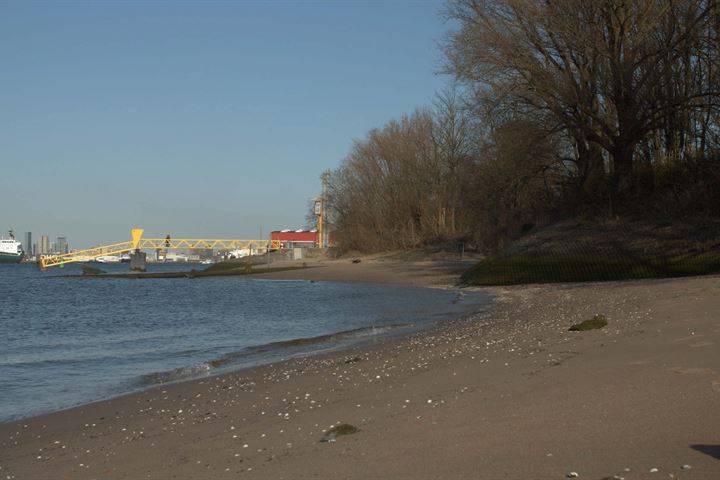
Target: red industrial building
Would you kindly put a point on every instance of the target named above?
(295, 238)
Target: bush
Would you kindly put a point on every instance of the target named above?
(521, 269)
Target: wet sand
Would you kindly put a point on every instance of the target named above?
(504, 394)
(375, 270)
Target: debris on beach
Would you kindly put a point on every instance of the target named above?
(337, 431)
(595, 323)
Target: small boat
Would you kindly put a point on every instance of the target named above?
(10, 250)
(108, 259)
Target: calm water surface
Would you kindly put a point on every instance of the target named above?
(66, 341)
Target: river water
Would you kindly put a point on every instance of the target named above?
(69, 341)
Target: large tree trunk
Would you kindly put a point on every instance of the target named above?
(622, 160)
(590, 170)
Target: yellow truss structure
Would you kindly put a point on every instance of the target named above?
(139, 243)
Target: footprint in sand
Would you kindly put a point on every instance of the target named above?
(693, 371)
(691, 337)
(702, 344)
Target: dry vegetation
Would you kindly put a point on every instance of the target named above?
(605, 109)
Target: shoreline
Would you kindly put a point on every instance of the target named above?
(328, 271)
(504, 393)
(392, 333)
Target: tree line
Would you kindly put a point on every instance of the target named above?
(557, 108)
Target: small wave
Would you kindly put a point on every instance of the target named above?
(90, 358)
(202, 369)
(332, 337)
(459, 295)
(182, 373)
(354, 334)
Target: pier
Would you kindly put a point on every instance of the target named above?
(138, 243)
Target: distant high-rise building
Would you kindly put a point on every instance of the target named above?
(61, 245)
(43, 246)
(27, 244)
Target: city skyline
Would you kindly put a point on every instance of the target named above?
(44, 245)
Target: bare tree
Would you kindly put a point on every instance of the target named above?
(562, 102)
(593, 67)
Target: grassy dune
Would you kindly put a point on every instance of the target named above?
(544, 268)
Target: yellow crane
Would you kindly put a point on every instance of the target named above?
(140, 243)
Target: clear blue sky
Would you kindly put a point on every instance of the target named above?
(201, 119)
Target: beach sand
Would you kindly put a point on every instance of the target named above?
(507, 393)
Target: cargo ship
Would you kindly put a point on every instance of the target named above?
(10, 250)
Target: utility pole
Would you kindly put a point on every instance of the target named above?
(319, 213)
(325, 177)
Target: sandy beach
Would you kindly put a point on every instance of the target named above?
(506, 393)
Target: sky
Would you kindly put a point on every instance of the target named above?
(199, 119)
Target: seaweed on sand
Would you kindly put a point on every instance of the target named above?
(595, 323)
(337, 431)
